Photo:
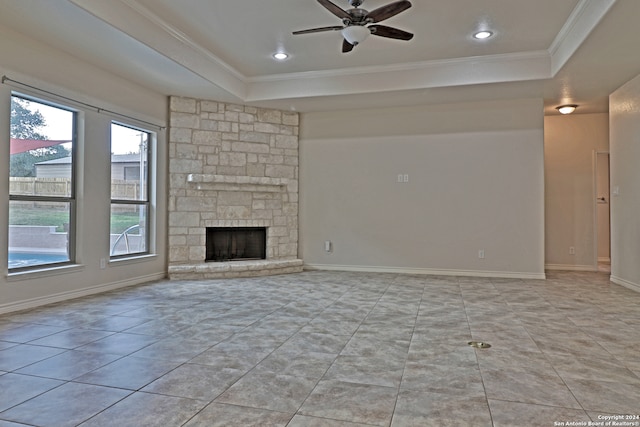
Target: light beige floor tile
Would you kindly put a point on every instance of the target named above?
(341, 349)
(528, 388)
(149, 410)
(220, 415)
(356, 403)
(509, 414)
(67, 405)
(200, 382)
(605, 396)
(131, 373)
(306, 421)
(16, 389)
(425, 409)
(275, 392)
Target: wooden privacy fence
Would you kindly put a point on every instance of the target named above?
(27, 186)
(61, 187)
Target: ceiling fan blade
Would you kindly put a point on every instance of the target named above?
(386, 12)
(346, 46)
(317, 30)
(336, 10)
(390, 32)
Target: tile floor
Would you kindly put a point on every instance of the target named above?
(327, 349)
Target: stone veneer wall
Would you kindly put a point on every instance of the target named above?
(231, 166)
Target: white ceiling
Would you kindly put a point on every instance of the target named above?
(566, 51)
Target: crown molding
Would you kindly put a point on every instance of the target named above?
(408, 66)
(145, 26)
(502, 68)
(181, 37)
(583, 19)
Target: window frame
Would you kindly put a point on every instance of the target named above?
(71, 199)
(146, 203)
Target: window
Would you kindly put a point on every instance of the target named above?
(41, 184)
(130, 154)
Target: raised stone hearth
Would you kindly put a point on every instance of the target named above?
(231, 166)
(235, 269)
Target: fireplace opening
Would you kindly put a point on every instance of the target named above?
(236, 243)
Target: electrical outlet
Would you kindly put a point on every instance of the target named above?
(481, 254)
(405, 177)
(103, 263)
(572, 250)
(400, 177)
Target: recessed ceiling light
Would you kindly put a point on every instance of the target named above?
(481, 35)
(280, 56)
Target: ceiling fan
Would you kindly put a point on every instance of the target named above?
(356, 22)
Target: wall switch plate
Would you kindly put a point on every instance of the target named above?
(481, 254)
(327, 246)
(572, 250)
(103, 263)
(400, 177)
(405, 177)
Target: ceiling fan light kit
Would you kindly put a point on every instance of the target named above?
(356, 22)
(355, 34)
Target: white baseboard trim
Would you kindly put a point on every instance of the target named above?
(63, 296)
(625, 283)
(425, 271)
(570, 267)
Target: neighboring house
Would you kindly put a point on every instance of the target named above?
(124, 167)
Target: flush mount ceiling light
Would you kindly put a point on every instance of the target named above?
(481, 35)
(280, 56)
(567, 109)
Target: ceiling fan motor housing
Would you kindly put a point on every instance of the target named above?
(358, 17)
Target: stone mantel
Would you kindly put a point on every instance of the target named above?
(236, 183)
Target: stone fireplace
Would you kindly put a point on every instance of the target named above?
(231, 166)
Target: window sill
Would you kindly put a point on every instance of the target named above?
(44, 272)
(134, 259)
(72, 268)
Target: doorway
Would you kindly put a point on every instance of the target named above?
(602, 212)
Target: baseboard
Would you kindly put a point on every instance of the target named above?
(63, 296)
(570, 267)
(627, 284)
(604, 259)
(426, 271)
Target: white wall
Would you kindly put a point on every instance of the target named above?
(46, 68)
(475, 183)
(570, 144)
(624, 111)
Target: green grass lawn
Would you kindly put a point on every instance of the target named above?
(122, 221)
(57, 218)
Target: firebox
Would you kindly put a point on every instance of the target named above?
(236, 243)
